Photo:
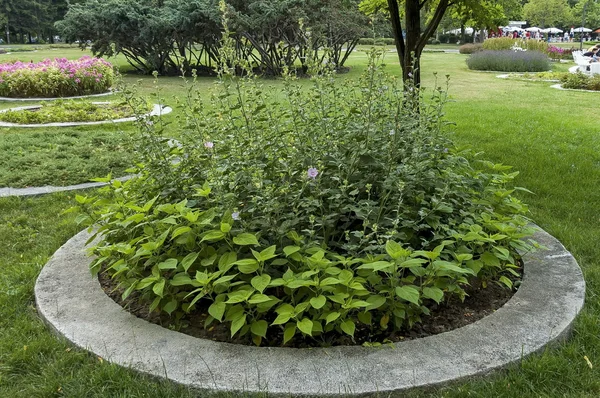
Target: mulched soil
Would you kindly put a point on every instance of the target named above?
(479, 303)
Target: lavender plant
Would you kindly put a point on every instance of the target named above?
(509, 61)
(307, 214)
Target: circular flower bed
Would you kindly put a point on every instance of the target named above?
(68, 111)
(509, 61)
(305, 220)
(56, 78)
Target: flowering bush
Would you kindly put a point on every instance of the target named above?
(509, 61)
(307, 215)
(56, 78)
(557, 53)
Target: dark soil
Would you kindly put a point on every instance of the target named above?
(479, 303)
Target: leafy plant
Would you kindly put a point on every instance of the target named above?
(580, 81)
(507, 43)
(69, 111)
(307, 215)
(470, 48)
(509, 61)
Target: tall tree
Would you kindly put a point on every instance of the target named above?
(548, 13)
(413, 23)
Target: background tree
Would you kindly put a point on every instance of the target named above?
(549, 13)
(413, 23)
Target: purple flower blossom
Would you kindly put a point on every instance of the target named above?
(209, 145)
(235, 215)
(313, 173)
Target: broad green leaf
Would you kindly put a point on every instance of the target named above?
(216, 310)
(188, 260)
(245, 239)
(378, 266)
(225, 227)
(289, 250)
(259, 298)
(237, 324)
(282, 318)
(450, 267)
(395, 250)
(170, 306)
(318, 302)
(159, 287)
(247, 266)
(266, 254)
(227, 260)
(375, 301)
(224, 279)
(329, 281)
(181, 279)
(365, 317)
(305, 326)
(408, 293)
(413, 262)
(261, 282)
(348, 327)
(433, 293)
(170, 263)
(490, 259)
(285, 309)
(289, 332)
(332, 316)
(213, 236)
(259, 328)
(180, 231)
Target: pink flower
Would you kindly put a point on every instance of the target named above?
(209, 145)
(312, 173)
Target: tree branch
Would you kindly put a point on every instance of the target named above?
(397, 27)
(433, 25)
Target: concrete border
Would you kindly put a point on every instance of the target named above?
(518, 75)
(36, 191)
(560, 87)
(542, 311)
(157, 110)
(59, 98)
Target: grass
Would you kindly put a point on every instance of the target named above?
(61, 156)
(549, 136)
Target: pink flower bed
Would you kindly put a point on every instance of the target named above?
(59, 77)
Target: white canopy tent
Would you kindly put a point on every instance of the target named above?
(512, 29)
(533, 29)
(468, 31)
(552, 30)
(582, 30)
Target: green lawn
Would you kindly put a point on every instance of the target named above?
(551, 137)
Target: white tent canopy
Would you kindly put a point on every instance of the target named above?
(582, 30)
(552, 30)
(533, 29)
(468, 31)
(512, 29)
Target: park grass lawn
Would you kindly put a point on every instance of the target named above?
(551, 137)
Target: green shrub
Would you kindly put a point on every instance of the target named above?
(509, 61)
(366, 41)
(507, 43)
(499, 43)
(307, 214)
(580, 81)
(470, 48)
(433, 42)
(69, 111)
(56, 78)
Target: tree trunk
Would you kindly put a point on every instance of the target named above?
(410, 47)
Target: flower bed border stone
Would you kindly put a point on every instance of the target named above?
(542, 311)
(157, 110)
(507, 76)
